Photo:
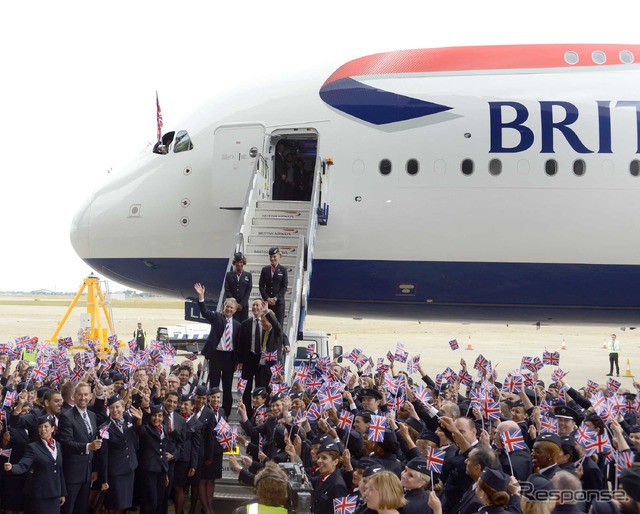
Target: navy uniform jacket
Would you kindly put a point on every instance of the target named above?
(417, 502)
(176, 436)
(210, 442)
(218, 323)
(118, 454)
(29, 422)
(190, 450)
(521, 462)
(48, 476)
(275, 340)
(74, 438)
(152, 450)
(276, 286)
(325, 492)
(239, 289)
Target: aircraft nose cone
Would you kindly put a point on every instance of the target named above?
(80, 235)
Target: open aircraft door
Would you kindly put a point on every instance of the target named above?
(236, 148)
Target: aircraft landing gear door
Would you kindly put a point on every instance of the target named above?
(236, 149)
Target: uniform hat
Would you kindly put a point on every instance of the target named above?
(414, 423)
(550, 438)
(46, 419)
(185, 398)
(539, 483)
(330, 446)
(155, 408)
(365, 415)
(201, 390)
(41, 391)
(273, 251)
(495, 479)
(370, 393)
(260, 391)
(364, 463)
(277, 397)
(106, 381)
(372, 470)
(419, 464)
(113, 399)
(320, 439)
(296, 394)
(630, 482)
(429, 435)
(563, 411)
(214, 390)
(118, 377)
(238, 256)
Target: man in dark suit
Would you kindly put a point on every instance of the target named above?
(250, 348)
(79, 437)
(273, 284)
(221, 348)
(271, 347)
(238, 284)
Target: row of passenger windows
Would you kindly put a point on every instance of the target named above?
(467, 167)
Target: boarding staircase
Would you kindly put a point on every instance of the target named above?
(289, 225)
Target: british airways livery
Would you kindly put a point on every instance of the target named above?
(493, 183)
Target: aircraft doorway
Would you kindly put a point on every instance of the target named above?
(294, 164)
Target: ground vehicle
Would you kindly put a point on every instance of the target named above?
(189, 337)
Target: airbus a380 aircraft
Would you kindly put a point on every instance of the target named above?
(479, 183)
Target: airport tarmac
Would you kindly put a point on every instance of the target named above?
(504, 345)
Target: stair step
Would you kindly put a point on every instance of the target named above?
(283, 205)
(284, 233)
(280, 215)
(279, 223)
(271, 241)
(289, 249)
(255, 270)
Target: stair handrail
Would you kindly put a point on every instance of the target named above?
(293, 318)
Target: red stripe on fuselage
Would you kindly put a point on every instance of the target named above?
(470, 58)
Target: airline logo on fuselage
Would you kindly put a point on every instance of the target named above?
(556, 120)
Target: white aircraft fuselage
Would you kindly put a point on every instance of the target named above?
(479, 183)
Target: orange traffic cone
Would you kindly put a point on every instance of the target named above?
(564, 345)
(469, 345)
(604, 344)
(628, 372)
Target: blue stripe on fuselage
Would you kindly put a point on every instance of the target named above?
(423, 290)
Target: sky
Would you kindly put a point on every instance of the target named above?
(77, 95)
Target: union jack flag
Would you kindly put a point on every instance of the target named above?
(155, 345)
(551, 358)
(313, 412)
(159, 118)
(526, 362)
(104, 432)
(242, 384)
(10, 398)
(280, 387)
(222, 427)
(513, 440)
(391, 384)
(585, 435)
(5, 453)
(454, 344)
(613, 385)
(465, 377)
(536, 365)
(40, 371)
(490, 410)
(598, 401)
(435, 459)
(269, 356)
(390, 356)
(313, 383)
(545, 408)
(558, 375)
(481, 363)
(592, 386)
(128, 364)
(311, 350)
(423, 394)
(225, 439)
(548, 425)
(381, 366)
(300, 417)
(625, 459)
(277, 369)
(78, 373)
(132, 345)
(192, 357)
(513, 383)
(357, 357)
(376, 428)
(329, 398)
(260, 414)
(401, 354)
(345, 505)
(346, 420)
(412, 364)
(601, 444)
(260, 442)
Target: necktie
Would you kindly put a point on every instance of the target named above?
(51, 443)
(273, 270)
(256, 344)
(85, 418)
(159, 428)
(120, 424)
(170, 423)
(227, 336)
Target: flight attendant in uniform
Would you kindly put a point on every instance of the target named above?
(273, 284)
(152, 458)
(117, 459)
(329, 484)
(44, 457)
(238, 284)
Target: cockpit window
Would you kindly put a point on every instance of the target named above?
(183, 142)
(162, 147)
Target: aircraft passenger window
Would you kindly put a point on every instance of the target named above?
(551, 167)
(183, 142)
(385, 166)
(579, 167)
(467, 167)
(495, 167)
(626, 57)
(634, 167)
(412, 167)
(599, 57)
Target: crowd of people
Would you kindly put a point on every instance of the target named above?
(380, 435)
